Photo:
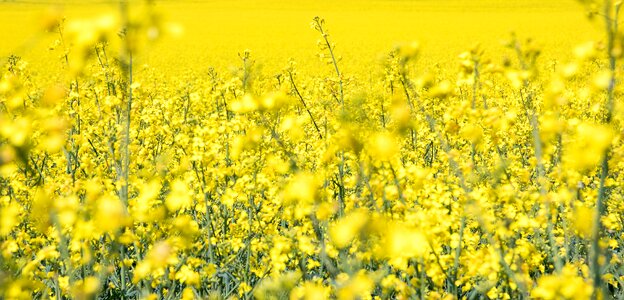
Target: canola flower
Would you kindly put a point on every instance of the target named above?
(497, 180)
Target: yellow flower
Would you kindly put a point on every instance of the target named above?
(585, 51)
(568, 285)
(110, 215)
(188, 294)
(9, 215)
(86, 287)
(384, 146)
(310, 291)
(584, 220)
(142, 207)
(179, 197)
(348, 228)
(409, 51)
(359, 286)
(442, 90)
(244, 288)
(472, 132)
(602, 80)
(302, 189)
(187, 276)
(589, 146)
(246, 104)
(402, 242)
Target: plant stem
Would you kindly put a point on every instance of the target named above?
(305, 106)
(611, 28)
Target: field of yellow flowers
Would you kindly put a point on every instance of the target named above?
(419, 150)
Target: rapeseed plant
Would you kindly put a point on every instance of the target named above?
(483, 179)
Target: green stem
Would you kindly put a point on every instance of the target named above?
(611, 28)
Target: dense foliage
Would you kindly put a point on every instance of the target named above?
(490, 179)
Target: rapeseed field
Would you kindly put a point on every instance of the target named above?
(374, 149)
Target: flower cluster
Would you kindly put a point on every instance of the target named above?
(491, 180)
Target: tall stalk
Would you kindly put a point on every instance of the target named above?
(319, 25)
(530, 110)
(305, 106)
(125, 56)
(128, 74)
(611, 27)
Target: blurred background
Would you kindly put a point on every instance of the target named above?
(215, 31)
